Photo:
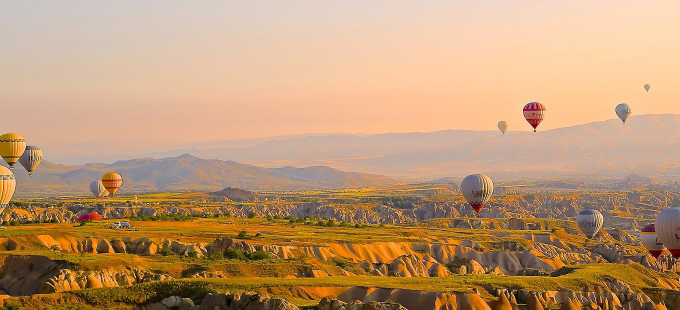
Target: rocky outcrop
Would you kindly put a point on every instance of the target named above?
(28, 275)
(334, 304)
(244, 301)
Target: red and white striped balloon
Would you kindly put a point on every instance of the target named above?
(667, 227)
(534, 112)
(651, 241)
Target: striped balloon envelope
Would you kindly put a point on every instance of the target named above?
(477, 189)
(7, 186)
(590, 222)
(651, 241)
(112, 182)
(98, 189)
(533, 113)
(12, 146)
(667, 228)
(31, 158)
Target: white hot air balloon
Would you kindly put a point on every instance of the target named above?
(31, 158)
(623, 111)
(98, 190)
(651, 241)
(667, 227)
(590, 222)
(647, 87)
(503, 126)
(476, 188)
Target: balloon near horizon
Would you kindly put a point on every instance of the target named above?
(112, 182)
(477, 189)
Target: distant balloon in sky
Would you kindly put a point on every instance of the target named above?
(647, 87)
(503, 126)
(667, 227)
(623, 111)
(477, 189)
(533, 113)
(590, 222)
(112, 182)
(7, 186)
(651, 241)
(31, 158)
(12, 146)
(98, 190)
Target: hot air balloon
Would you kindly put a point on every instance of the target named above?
(112, 182)
(623, 111)
(477, 188)
(12, 146)
(7, 186)
(31, 158)
(503, 126)
(89, 217)
(590, 222)
(667, 227)
(647, 87)
(98, 190)
(534, 112)
(651, 241)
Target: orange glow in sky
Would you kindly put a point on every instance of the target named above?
(134, 73)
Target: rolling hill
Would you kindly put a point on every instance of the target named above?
(187, 172)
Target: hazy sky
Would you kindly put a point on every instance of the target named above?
(126, 73)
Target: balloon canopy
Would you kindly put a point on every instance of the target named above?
(502, 126)
(477, 189)
(590, 222)
(651, 241)
(623, 111)
(534, 113)
(667, 225)
(112, 182)
(12, 146)
(89, 217)
(31, 158)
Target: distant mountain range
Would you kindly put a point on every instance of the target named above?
(648, 145)
(187, 172)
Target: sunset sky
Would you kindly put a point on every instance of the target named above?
(135, 76)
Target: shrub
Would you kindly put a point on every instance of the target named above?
(11, 307)
(252, 215)
(242, 234)
(259, 255)
(342, 264)
(165, 252)
(216, 256)
(192, 254)
(234, 254)
(258, 234)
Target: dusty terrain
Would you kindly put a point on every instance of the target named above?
(414, 247)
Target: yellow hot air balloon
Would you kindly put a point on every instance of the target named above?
(112, 182)
(12, 146)
(7, 186)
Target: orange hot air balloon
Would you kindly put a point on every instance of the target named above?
(112, 182)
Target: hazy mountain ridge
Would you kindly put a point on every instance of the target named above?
(187, 172)
(646, 144)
